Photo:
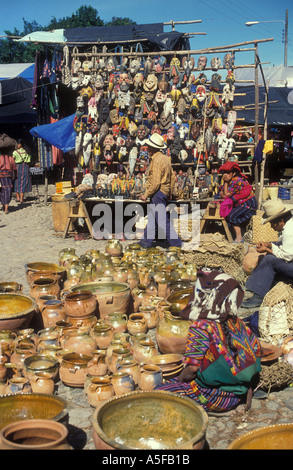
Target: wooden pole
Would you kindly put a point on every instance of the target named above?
(256, 118)
(264, 155)
(46, 187)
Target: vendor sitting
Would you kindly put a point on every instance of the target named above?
(278, 259)
(236, 187)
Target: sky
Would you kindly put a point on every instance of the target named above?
(222, 21)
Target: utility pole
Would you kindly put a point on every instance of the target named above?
(286, 39)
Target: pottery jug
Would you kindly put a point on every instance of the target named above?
(17, 385)
(42, 382)
(53, 311)
(80, 304)
(72, 369)
(44, 286)
(150, 377)
(97, 365)
(151, 315)
(48, 337)
(80, 341)
(131, 367)
(118, 321)
(171, 334)
(122, 382)
(114, 248)
(70, 282)
(137, 324)
(116, 344)
(144, 351)
(66, 256)
(27, 335)
(117, 356)
(99, 389)
(50, 350)
(103, 335)
(18, 357)
(123, 337)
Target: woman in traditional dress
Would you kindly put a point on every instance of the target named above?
(7, 175)
(222, 355)
(236, 187)
(23, 182)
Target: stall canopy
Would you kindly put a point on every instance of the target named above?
(17, 70)
(60, 134)
(15, 101)
(152, 33)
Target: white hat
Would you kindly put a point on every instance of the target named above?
(156, 141)
(274, 208)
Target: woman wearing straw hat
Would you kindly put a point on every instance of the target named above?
(159, 191)
(278, 259)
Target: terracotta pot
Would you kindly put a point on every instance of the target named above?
(131, 367)
(103, 335)
(137, 324)
(7, 338)
(18, 357)
(114, 248)
(272, 437)
(118, 321)
(100, 389)
(117, 356)
(52, 311)
(120, 274)
(150, 377)
(72, 370)
(17, 385)
(70, 282)
(80, 341)
(43, 268)
(43, 299)
(38, 363)
(111, 296)
(171, 334)
(47, 337)
(85, 322)
(27, 335)
(98, 365)
(42, 382)
(44, 286)
(80, 304)
(34, 434)
(16, 311)
(151, 316)
(122, 382)
(67, 255)
(11, 287)
(144, 351)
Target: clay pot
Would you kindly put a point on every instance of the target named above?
(120, 274)
(39, 363)
(97, 365)
(137, 324)
(151, 316)
(17, 385)
(45, 298)
(40, 268)
(144, 351)
(103, 335)
(50, 350)
(11, 287)
(85, 322)
(42, 382)
(150, 377)
(118, 321)
(4, 359)
(171, 334)
(47, 337)
(117, 356)
(66, 256)
(132, 278)
(131, 367)
(80, 304)
(34, 434)
(162, 306)
(80, 341)
(7, 338)
(99, 389)
(27, 335)
(114, 248)
(44, 286)
(73, 368)
(70, 282)
(122, 382)
(18, 357)
(16, 311)
(52, 311)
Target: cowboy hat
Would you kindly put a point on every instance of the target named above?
(156, 141)
(274, 208)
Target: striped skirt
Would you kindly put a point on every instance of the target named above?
(242, 213)
(6, 189)
(23, 182)
(210, 399)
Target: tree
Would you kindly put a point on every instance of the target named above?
(85, 16)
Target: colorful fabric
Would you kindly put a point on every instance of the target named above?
(6, 189)
(242, 213)
(23, 183)
(7, 166)
(224, 375)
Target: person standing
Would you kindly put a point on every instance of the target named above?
(23, 182)
(159, 190)
(7, 175)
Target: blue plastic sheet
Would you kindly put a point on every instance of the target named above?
(60, 134)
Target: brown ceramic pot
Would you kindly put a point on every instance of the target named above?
(97, 365)
(137, 323)
(42, 382)
(80, 341)
(72, 370)
(99, 389)
(150, 377)
(80, 304)
(151, 315)
(44, 286)
(122, 382)
(53, 311)
(17, 385)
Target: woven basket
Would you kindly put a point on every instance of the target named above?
(262, 233)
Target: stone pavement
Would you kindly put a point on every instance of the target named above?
(27, 235)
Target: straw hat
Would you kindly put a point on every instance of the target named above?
(274, 208)
(156, 141)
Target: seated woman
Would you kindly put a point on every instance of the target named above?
(222, 356)
(236, 187)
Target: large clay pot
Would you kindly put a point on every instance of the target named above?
(73, 368)
(80, 304)
(150, 377)
(44, 286)
(114, 427)
(273, 437)
(122, 382)
(111, 296)
(42, 382)
(144, 351)
(16, 311)
(53, 311)
(137, 323)
(99, 389)
(80, 341)
(43, 268)
(34, 434)
(171, 334)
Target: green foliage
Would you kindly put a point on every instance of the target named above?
(18, 52)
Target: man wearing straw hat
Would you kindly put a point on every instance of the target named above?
(159, 191)
(278, 259)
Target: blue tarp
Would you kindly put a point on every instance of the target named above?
(60, 134)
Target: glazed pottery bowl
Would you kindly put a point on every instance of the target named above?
(39, 363)
(43, 268)
(16, 311)
(274, 437)
(149, 420)
(31, 406)
(111, 296)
